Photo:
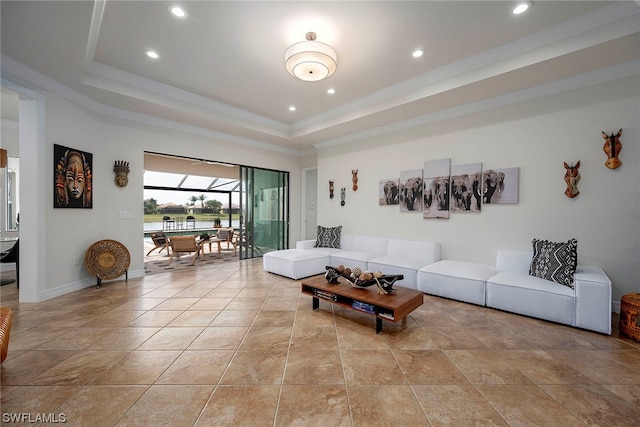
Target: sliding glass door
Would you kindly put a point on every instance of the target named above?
(264, 207)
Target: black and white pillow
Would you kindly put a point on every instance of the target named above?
(555, 261)
(328, 237)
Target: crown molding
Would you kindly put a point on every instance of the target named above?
(610, 22)
(17, 75)
(627, 69)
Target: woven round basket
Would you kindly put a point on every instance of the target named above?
(107, 259)
(630, 316)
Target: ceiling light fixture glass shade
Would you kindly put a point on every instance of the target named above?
(311, 60)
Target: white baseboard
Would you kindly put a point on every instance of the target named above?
(615, 306)
(81, 284)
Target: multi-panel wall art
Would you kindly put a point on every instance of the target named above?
(441, 188)
(466, 187)
(436, 188)
(411, 189)
(388, 192)
(500, 186)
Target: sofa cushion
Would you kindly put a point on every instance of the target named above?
(555, 261)
(328, 237)
(295, 263)
(414, 251)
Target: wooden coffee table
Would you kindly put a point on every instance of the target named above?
(394, 307)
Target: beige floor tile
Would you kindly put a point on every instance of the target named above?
(358, 367)
(219, 337)
(456, 405)
(179, 304)
(36, 399)
(137, 367)
(155, 318)
(235, 318)
(197, 367)
(428, 367)
(256, 367)
(267, 337)
(312, 366)
(99, 405)
(629, 393)
(80, 369)
(599, 366)
(125, 338)
(140, 353)
(174, 338)
(385, 406)
(167, 405)
(194, 318)
(274, 318)
(246, 405)
(315, 337)
(211, 304)
(485, 367)
(595, 405)
(525, 405)
(541, 367)
(77, 339)
(27, 366)
(314, 405)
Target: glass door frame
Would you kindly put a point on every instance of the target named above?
(252, 241)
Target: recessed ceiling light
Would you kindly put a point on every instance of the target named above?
(292, 108)
(417, 53)
(152, 54)
(521, 7)
(331, 91)
(177, 11)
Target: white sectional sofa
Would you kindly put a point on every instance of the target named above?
(391, 256)
(587, 305)
(509, 287)
(506, 286)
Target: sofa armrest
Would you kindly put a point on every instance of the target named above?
(593, 299)
(305, 244)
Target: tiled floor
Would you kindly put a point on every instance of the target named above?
(230, 344)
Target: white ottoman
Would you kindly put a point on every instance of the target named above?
(459, 280)
(295, 263)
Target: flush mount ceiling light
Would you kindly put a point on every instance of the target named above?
(521, 7)
(310, 60)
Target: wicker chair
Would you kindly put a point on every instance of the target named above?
(184, 244)
(160, 240)
(5, 331)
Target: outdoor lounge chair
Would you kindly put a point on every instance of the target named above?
(184, 244)
(161, 241)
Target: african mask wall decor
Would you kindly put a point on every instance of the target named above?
(572, 177)
(343, 194)
(331, 189)
(354, 179)
(612, 147)
(121, 168)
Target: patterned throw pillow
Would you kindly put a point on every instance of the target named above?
(555, 261)
(328, 237)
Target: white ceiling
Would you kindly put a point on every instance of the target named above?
(221, 70)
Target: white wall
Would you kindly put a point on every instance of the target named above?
(69, 232)
(537, 137)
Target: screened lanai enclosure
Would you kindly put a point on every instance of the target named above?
(255, 201)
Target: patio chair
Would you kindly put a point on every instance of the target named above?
(226, 235)
(13, 255)
(161, 241)
(184, 244)
(191, 220)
